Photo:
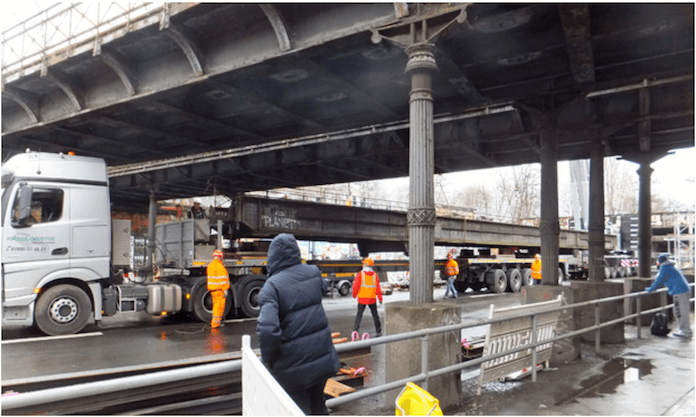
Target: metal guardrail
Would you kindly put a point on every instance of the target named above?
(425, 333)
(48, 396)
(67, 29)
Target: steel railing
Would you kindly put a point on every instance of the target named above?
(45, 397)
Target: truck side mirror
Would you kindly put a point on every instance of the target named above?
(22, 207)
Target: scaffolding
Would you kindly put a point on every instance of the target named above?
(65, 30)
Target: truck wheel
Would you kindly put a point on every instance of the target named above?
(344, 289)
(61, 310)
(460, 285)
(250, 298)
(203, 304)
(476, 286)
(515, 280)
(527, 277)
(497, 281)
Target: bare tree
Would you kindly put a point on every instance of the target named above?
(519, 192)
(620, 187)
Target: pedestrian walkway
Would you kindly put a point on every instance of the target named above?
(648, 376)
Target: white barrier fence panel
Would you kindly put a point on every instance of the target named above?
(517, 332)
(261, 393)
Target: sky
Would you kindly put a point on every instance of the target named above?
(673, 176)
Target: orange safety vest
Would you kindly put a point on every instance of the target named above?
(368, 285)
(218, 278)
(536, 269)
(451, 268)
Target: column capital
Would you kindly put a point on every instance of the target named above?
(421, 56)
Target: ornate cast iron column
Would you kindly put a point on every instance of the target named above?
(644, 210)
(595, 239)
(644, 223)
(417, 37)
(549, 229)
(421, 204)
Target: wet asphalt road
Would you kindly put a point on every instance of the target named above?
(136, 339)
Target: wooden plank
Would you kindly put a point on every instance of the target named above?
(335, 388)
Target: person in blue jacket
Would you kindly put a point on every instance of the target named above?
(293, 330)
(677, 286)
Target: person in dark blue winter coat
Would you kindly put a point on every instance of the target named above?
(293, 330)
(677, 286)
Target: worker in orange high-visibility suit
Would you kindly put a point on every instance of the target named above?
(367, 289)
(536, 270)
(451, 271)
(218, 284)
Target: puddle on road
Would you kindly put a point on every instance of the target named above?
(614, 373)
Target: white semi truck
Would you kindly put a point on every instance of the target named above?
(57, 257)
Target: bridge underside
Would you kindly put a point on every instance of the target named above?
(255, 97)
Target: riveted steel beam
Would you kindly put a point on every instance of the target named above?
(70, 87)
(122, 70)
(575, 19)
(190, 49)
(26, 100)
(280, 27)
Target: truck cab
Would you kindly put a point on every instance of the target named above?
(56, 236)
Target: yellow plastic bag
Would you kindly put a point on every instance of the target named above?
(415, 401)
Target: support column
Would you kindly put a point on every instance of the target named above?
(595, 238)
(549, 229)
(421, 208)
(151, 236)
(644, 223)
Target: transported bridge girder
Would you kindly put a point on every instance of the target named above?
(379, 230)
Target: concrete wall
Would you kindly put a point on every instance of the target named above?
(586, 291)
(403, 359)
(563, 350)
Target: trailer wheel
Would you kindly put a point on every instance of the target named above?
(515, 279)
(527, 277)
(476, 286)
(61, 310)
(250, 298)
(203, 304)
(497, 281)
(344, 289)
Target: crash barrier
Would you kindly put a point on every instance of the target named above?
(424, 334)
(261, 393)
(518, 332)
(94, 391)
(112, 391)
